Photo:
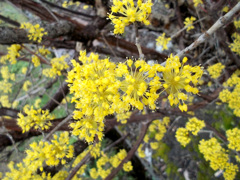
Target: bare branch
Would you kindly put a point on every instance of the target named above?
(220, 23)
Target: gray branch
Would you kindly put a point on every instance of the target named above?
(10, 35)
(220, 23)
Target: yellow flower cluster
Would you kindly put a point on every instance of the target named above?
(163, 41)
(101, 88)
(122, 117)
(26, 85)
(5, 101)
(40, 154)
(156, 130)
(178, 77)
(39, 119)
(194, 125)
(235, 46)
(42, 52)
(218, 157)
(12, 55)
(182, 136)
(106, 164)
(233, 136)
(232, 97)
(197, 2)
(129, 13)
(236, 23)
(65, 4)
(189, 23)
(215, 70)
(58, 65)
(35, 32)
(6, 76)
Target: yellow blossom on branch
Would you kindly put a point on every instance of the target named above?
(218, 157)
(215, 70)
(35, 32)
(39, 119)
(163, 41)
(189, 23)
(178, 77)
(233, 136)
(58, 65)
(182, 136)
(197, 2)
(232, 94)
(12, 55)
(195, 125)
(129, 13)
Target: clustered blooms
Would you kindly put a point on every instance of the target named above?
(232, 94)
(39, 119)
(178, 77)
(163, 41)
(6, 86)
(101, 88)
(218, 157)
(235, 45)
(58, 65)
(38, 155)
(106, 164)
(236, 23)
(197, 2)
(189, 23)
(129, 13)
(233, 136)
(156, 132)
(12, 55)
(215, 70)
(35, 32)
(26, 85)
(42, 52)
(65, 4)
(194, 125)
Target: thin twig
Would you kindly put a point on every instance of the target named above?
(141, 55)
(220, 23)
(69, 117)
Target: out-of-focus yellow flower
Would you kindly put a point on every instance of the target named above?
(129, 13)
(215, 70)
(189, 23)
(163, 41)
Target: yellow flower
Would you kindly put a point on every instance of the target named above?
(137, 91)
(215, 70)
(235, 46)
(127, 166)
(163, 41)
(39, 119)
(26, 85)
(35, 32)
(13, 54)
(178, 77)
(233, 136)
(197, 2)
(129, 13)
(182, 136)
(213, 152)
(189, 23)
(194, 125)
(58, 65)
